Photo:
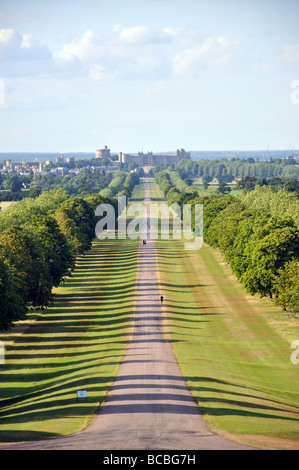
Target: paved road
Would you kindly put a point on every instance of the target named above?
(149, 406)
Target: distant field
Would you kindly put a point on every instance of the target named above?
(5, 204)
(233, 349)
(213, 186)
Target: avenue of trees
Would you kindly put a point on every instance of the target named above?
(122, 184)
(174, 187)
(257, 233)
(39, 241)
(257, 230)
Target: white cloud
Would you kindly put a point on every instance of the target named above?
(28, 41)
(129, 53)
(21, 55)
(125, 58)
(10, 44)
(14, 46)
(191, 62)
(140, 35)
(84, 48)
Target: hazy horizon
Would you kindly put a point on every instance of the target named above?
(148, 75)
(262, 154)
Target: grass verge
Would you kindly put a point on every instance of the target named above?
(233, 349)
(77, 344)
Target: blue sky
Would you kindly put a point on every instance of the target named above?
(151, 75)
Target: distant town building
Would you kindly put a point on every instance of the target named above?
(22, 167)
(103, 153)
(59, 160)
(150, 159)
(108, 168)
(60, 171)
(70, 159)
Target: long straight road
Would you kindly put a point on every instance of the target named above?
(149, 405)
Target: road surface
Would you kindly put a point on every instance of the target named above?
(149, 405)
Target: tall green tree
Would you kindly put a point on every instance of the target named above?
(82, 227)
(214, 205)
(56, 252)
(223, 188)
(13, 183)
(225, 227)
(286, 286)
(21, 250)
(268, 256)
(12, 304)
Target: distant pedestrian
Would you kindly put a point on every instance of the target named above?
(161, 299)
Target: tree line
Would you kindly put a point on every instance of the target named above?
(248, 183)
(40, 240)
(84, 183)
(225, 170)
(257, 233)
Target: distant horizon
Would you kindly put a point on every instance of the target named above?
(282, 153)
(158, 151)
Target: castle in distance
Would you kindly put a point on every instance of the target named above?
(146, 159)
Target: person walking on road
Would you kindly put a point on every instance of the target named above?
(161, 299)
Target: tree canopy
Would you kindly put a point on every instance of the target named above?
(40, 239)
(256, 230)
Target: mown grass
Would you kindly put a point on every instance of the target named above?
(233, 349)
(5, 204)
(76, 344)
(197, 182)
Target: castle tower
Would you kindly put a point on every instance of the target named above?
(103, 153)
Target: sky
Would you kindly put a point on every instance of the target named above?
(149, 75)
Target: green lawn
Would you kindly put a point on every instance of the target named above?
(77, 344)
(233, 349)
(197, 182)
